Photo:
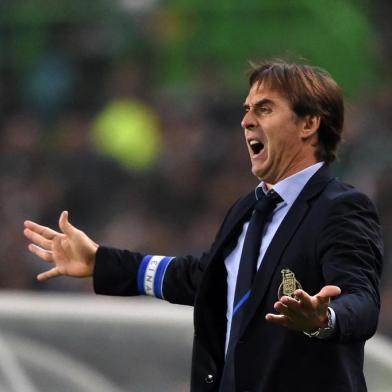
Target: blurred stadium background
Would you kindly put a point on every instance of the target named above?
(127, 113)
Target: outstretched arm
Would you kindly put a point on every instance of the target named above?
(116, 272)
(70, 251)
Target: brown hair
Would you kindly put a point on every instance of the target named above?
(310, 91)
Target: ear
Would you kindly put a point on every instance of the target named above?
(310, 126)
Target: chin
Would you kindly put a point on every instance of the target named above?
(260, 174)
(263, 175)
(260, 169)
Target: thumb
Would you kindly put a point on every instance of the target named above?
(329, 291)
(64, 224)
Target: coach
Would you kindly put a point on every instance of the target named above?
(287, 295)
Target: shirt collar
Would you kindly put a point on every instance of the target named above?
(289, 188)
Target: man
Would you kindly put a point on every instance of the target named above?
(310, 299)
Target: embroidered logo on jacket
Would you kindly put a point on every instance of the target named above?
(289, 284)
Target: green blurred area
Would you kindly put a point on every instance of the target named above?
(128, 131)
(194, 40)
(333, 34)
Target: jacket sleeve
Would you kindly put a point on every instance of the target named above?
(125, 273)
(175, 279)
(351, 252)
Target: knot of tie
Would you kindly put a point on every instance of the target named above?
(267, 202)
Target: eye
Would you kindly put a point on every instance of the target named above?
(264, 110)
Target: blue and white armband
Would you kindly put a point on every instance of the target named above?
(151, 274)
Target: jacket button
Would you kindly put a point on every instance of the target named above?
(209, 379)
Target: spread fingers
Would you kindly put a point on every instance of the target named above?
(278, 319)
(38, 239)
(41, 230)
(44, 254)
(52, 273)
(283, 309)
(291, 303)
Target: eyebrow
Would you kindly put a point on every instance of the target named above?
(262, 102)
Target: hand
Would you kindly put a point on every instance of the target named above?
(304, 312)
(72, 252)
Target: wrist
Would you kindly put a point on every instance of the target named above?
(325, 320)
(93, 248)
(326, 328)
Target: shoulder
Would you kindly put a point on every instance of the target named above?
(339, 206)
(338, 193)
(342, 208)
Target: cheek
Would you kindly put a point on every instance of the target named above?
(283, 138)
(275, 141)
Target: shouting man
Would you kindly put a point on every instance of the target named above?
(287, 295)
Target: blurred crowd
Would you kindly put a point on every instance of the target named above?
(134, 167)
(142, 167)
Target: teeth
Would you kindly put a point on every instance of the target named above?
(253, 142)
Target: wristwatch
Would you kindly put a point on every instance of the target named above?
(322, 332)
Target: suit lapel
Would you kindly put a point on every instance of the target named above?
(231, 227)
(210, 310)
(282, 237)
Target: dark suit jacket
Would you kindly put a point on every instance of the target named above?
(331, 235)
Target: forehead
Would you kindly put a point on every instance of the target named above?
(259, 92)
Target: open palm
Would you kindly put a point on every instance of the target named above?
(71, 251)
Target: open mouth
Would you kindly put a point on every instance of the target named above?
(256, 146)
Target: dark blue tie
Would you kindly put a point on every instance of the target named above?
(246, 274)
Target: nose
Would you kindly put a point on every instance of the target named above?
(248, 121)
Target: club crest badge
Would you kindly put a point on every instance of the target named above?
(289, 284)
